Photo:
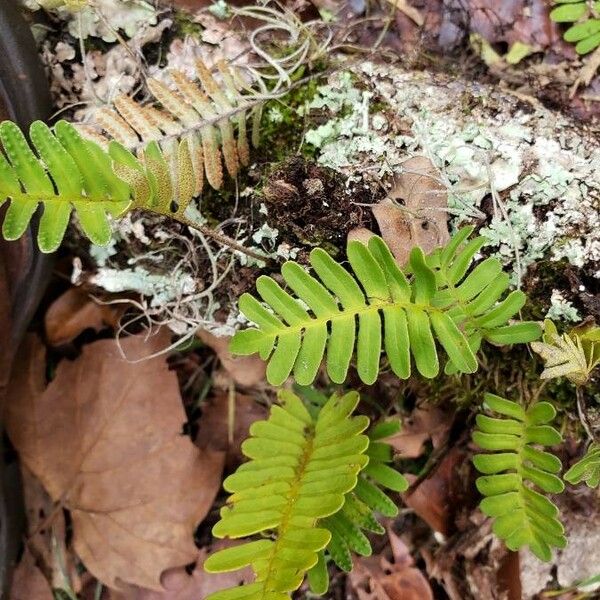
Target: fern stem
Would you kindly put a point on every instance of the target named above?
(221, 238)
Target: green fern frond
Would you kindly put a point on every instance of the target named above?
(515, 467)
(157, 159)
(300, 470)
(585, 32)
(587, 469)
(68, 173)
(365, 501)
(573, 355)
(442, 299)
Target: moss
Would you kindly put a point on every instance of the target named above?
(184, 26)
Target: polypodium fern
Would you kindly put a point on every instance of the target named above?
(587, 469)
(585, 15)
(512, 471)
(573, 355)
(439, 299)
(366, 500)
(174, 148)
(304, 466)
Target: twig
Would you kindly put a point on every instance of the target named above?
(582, 415)
(221, 238)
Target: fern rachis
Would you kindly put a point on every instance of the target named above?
(458, 312)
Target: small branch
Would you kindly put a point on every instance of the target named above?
(221, 238)
(582, 415)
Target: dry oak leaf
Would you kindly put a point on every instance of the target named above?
(377, 578)
(73, 312)
(415, 212)
(214, 431)
(247, 371)
(28, 582)
(180, 585)
(105, 440)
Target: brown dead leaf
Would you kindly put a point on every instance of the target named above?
(434, 499)
(379, 578)
(178, 584)
(105, 440)
(422, 218)
(214, 431)
(28, 582)
(74, 312)
(423, 424)
(247, 371)
(46, 534)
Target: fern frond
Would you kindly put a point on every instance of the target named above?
(157, 159)
(68, 173)
(514, 469)
(210, 117)
(587, 469)
(573, 355)
(585, 32)
(300, 470)
(441, 300)
(366, 500)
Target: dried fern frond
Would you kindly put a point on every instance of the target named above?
(210, 116)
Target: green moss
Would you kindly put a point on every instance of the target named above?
(184, 26)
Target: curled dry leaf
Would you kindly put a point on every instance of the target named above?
(434, 499)
(73, 312)
(47, 533)
(415, 211)
(378, 578)
(105, 440)
(178, 584)
(247, 371)
(28, 582)
(423, 424)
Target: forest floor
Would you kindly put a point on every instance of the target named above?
(403, 118)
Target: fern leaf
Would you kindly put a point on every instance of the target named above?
(514, 469)
(367, 499)
(573, 355)
(68, 172)
(210, 115)
(342, 313)
(300, 470)
(587, 469)
(586, 29)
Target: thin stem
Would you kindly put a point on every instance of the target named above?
(221, 238)
(582, 415)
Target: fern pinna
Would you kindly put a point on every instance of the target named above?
(303, 467)
(437, 298)
(153, 159)
(585, 31)
(514, 468)
(587, 469)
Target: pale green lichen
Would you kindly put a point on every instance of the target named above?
(562, 309)
(541, 174)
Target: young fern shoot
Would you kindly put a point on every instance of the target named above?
(440, 299)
